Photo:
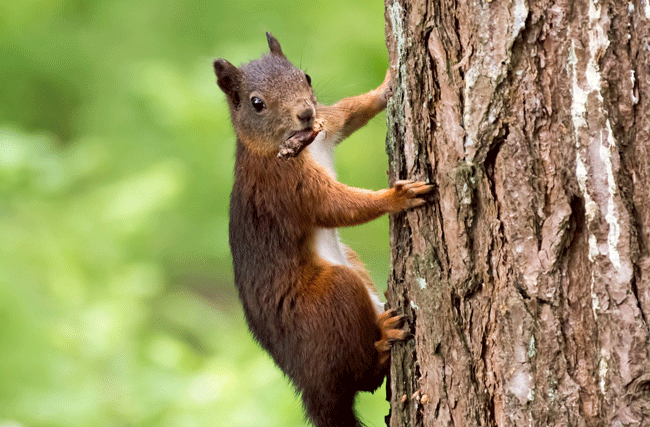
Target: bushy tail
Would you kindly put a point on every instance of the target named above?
(330, 410)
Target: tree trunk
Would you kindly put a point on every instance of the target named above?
(527, 277)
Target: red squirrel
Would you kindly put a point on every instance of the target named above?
(307, 297)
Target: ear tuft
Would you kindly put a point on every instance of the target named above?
(274, 45)
(228, 79)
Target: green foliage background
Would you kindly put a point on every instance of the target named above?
(117, 306)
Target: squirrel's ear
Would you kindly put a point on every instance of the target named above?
(274, 45)
(228, 79)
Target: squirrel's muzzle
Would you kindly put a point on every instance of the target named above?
(306, 115)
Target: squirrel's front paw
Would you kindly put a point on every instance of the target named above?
(407, 194)
(387, 87)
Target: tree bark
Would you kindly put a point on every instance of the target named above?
(527, 277)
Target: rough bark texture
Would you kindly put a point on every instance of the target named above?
(527, 278)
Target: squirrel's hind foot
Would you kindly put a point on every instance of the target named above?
(392, 329)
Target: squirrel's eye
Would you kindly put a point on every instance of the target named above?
(258, 104)
(308, 79)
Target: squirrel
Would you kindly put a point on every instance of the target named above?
(307, 298)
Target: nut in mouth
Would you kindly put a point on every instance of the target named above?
(297, 141)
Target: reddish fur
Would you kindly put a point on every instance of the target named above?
(316, 319)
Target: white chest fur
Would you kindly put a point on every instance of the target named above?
(322, 150)
(327, 242)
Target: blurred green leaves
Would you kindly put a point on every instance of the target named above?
(117, 306)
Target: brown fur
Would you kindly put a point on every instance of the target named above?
(316, 319)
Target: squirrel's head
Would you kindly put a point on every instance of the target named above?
(270, 100)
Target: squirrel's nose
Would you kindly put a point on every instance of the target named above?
(306, 114)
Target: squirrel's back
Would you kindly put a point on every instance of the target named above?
(267, 238)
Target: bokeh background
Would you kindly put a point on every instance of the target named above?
(117, 306)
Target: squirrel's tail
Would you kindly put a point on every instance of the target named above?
(329, 409)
